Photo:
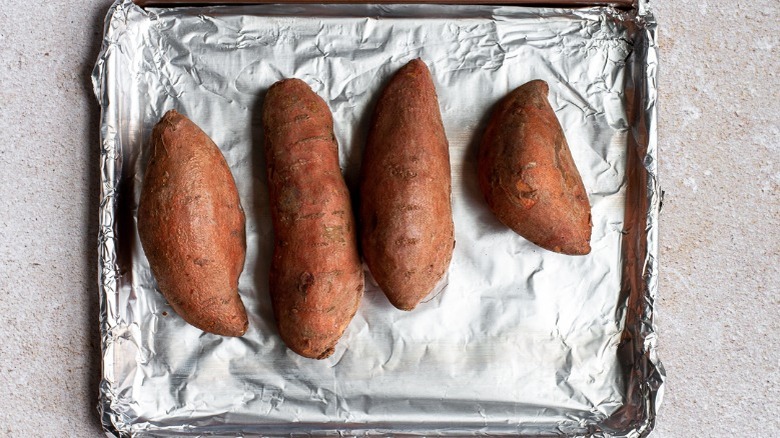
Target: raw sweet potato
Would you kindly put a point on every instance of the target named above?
(316, 279)
(405, 187)
(191, 226)
(528, 176)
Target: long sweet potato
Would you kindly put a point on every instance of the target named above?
(405, 187)
(191, 226)
(316, 279)
(528, 176)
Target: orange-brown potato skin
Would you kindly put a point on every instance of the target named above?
(528, 176)
(191, 226)
(407, 233)
(316, 279)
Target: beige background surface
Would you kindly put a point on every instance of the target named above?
(719, 306)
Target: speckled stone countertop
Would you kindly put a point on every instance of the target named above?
(719, 301)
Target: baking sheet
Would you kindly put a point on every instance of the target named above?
(520, 340)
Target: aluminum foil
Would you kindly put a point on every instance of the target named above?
(519, 341)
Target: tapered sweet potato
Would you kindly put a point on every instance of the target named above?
(405, 189)
(528, 176)
(316, 279)
(191, 226)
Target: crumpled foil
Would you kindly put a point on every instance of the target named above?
(519, 341)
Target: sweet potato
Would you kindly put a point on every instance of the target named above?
(191, 226)
(528, 176)
(405, 187)
(316, 279)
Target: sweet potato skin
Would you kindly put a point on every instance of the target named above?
(316, 279)
(191, 226)
(528, 176)
(407, 232)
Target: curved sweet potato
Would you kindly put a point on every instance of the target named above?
(191, 226)
(528, 176)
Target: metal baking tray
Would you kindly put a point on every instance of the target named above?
(520, 341)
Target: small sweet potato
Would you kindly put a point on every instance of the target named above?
(528, 176)
(191, 226)
(316, 279)
(405, 188)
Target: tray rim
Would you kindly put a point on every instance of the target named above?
(644, 279)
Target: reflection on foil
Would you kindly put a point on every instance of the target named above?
(519, 341)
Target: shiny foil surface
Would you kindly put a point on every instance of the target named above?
(519, 340)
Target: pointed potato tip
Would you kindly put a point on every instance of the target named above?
(172, 119)
(406, 308)
(537, 85)
(573, 248)
(231, 328)
(173, 115)
(231, 321)
(578, 250)
(240, 330)
(231, 332)
(416, 65)
(327, 353)
(405, 304)
(314, 353)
